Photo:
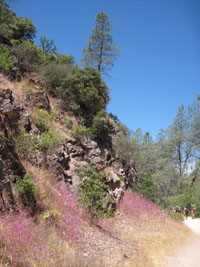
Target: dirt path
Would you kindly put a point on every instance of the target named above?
(189, 254)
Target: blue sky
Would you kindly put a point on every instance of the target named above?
(159, 64)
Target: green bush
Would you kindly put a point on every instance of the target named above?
(146, 187)
(64, 59)
(27, 190)
(50, 140)
(6, 63)
(81, 132)
(13, 27)
(177, 216)
(54, 74)
(93, 193)
(101, 128)
(42, 119)
(29, 55)
(25, 144)
(85, 90)
(69, 124)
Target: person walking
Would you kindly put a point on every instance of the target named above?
(193, 211)
(186, 212)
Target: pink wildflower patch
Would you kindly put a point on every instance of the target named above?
(136, 206)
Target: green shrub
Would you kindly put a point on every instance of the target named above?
(69, 124)
(27, 190)
(177, 216)
(42, 119)
(25, 144)
(50, 140)
(94, 194)
(85, 90)
(13, 27)
(54, 74)
(28, 54)
(146, 187)
(81, 133)
(101, 128)
(64, 59)
(6, 63)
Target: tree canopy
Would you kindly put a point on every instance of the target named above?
(14, 27)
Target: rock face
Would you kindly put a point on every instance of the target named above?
(10, 170)
(8, 106)
(10, 166)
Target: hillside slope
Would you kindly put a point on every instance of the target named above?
(39, 159)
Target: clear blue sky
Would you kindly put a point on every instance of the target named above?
(159, 64)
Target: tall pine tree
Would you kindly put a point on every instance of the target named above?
(100, 52)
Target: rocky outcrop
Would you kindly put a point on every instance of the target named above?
(9, 107)
(10, 170)
(10, 167)
(39, 99)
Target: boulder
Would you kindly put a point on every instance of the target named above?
(8, 106)
(113, 180)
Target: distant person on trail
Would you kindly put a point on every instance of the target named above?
(177, 208)
(193, 211)
(186, 212)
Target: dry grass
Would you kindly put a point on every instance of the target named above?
(156, 241)
(18, 88)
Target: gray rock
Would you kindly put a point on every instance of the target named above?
(8, 106)
(96, 160)
(94, 152)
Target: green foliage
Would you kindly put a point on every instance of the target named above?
(64, 59)
(85, 90)
(101, 128)
(126, 149)
(50, 140)
(54, 74)
(27, 190)
(100, 52)
(47, 45)
(25, 144)
(177, 216)
(6, 63)
(13, 27)
(69, 124)
(29, 55)
(146, 187)
(81, 133)
(93, 193)
(23, 29)
(41, 119)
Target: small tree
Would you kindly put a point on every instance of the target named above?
(100, 52)
(93, 193)
(47, 45)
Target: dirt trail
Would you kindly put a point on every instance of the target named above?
(189, 254)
